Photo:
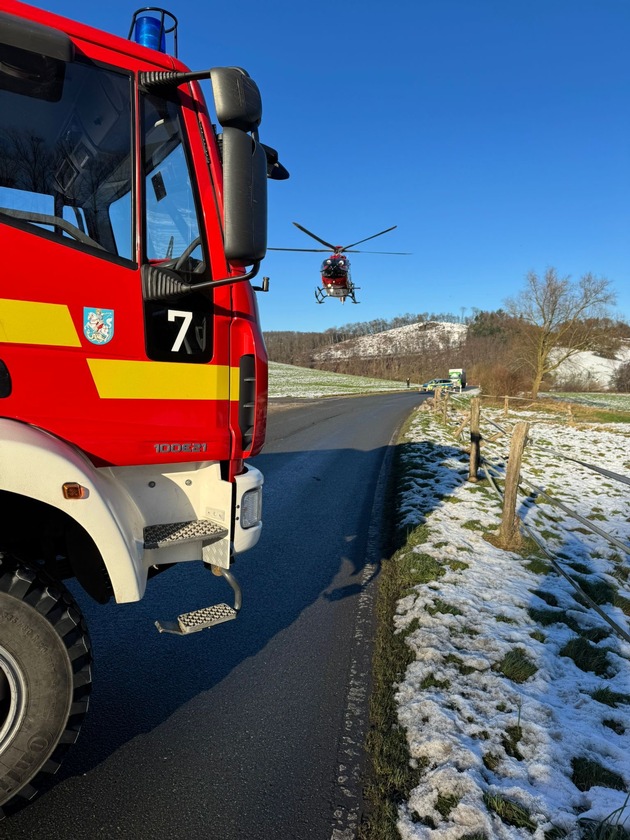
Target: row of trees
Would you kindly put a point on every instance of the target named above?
(518, 348)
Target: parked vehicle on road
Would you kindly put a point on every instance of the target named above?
(458, 377)
(432, 384)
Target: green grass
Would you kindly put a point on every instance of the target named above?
(510, 812)
(445, 803)
(440, 606)
(431, 681)
(610, 698)
(473, 525)
(538, 566)
(592, 830)
(586, 656)
(611, 828)
(390, 778)
(512, 736)
(516, 666)
(548, 617)
(417, 568)
(298, 382)
(453, 659)
(587, 774)
(600, 591)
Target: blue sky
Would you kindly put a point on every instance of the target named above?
(494, 133)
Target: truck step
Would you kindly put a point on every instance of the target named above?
(192, 622)
(160, 536)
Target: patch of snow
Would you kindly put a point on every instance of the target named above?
(454, 702)
(596, 370)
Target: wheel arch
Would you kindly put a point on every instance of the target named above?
(102, 529)
(59, 543)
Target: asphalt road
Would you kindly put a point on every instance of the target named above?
(250, 730)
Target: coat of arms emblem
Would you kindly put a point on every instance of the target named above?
(98, 324)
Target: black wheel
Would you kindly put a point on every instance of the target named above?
(45, 680)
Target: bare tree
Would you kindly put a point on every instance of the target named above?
(557, 318)
(621, 379)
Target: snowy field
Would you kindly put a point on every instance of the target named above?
(516, 702)
(304, 383)
(616, 402)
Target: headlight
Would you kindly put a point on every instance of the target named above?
(251, 508)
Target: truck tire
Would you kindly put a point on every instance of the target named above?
(45, 680)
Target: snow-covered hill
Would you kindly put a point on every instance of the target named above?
(434, 335)
(592, 368)
(412, 338)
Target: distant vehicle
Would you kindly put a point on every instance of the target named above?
(458, 377)
(432, 384)
(335, 270)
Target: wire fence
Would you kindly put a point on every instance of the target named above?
(467, 416)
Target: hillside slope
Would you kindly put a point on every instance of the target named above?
(436, 335)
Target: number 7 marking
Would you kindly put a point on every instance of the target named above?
(187, 317)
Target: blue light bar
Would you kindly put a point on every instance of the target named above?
(150, 33)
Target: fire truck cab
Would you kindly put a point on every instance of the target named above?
(133, 372)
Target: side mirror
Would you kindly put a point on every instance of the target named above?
(237, 100)
(244, 197)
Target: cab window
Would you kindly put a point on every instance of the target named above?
(172, 229)
(65, 160)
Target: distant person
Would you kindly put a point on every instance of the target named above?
(408, 382)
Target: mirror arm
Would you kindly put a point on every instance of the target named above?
(164, 283)
(225, 281)
(153, 80)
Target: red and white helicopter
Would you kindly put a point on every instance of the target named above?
(335, 270)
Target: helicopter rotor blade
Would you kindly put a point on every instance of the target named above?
(396, 253)
(314, 236)
(309, 250)
(374, 235)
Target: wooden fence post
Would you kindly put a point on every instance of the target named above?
(506, 406)
(475, 438)
(445, 397)
(509, 534)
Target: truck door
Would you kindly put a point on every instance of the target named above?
(93, 188)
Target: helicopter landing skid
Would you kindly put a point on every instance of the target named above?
(321, 295)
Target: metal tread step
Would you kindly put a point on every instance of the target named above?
(197, 620)
(159, 536)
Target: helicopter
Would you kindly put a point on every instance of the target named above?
(335, 269)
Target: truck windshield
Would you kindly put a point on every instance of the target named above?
(65, 162)
(172, 230)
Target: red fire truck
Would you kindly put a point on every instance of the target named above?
(133, 373)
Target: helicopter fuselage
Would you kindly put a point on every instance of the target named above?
(336, 282)
(335, 268)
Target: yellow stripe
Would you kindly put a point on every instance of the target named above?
(235, 382)
(27, 322)
(128, 380)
